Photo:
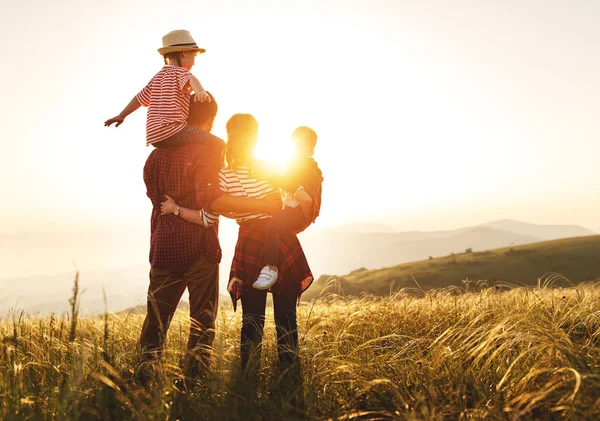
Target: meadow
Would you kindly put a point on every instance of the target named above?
(445, 354)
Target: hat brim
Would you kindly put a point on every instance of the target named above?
(167, 50)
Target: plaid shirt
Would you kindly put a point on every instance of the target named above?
(249, 259)
(189, 174)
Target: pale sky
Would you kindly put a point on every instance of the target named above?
(430, 114)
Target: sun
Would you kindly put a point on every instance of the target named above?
(274, 146)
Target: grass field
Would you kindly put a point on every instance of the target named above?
(526, 353)
(574, 258)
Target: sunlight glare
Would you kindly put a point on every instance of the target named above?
(274, 147)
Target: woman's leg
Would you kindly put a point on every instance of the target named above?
(253, 322)
(290, 386)
(284, 306)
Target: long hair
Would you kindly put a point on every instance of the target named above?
(242, 133)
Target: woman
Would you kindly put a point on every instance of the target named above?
(239, 179)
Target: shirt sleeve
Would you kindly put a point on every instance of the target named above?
(208, 218)
(223, 186)
(184, 76)
(143, 96)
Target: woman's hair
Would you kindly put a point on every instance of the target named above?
(242, 133)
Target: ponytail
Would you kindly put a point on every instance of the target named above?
(242, 131)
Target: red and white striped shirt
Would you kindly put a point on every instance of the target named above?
(240, 182)
(168, 100)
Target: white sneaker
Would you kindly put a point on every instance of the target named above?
(266, 279)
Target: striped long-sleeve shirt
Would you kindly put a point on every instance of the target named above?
(240, 182)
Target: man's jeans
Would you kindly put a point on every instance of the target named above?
(164, 293)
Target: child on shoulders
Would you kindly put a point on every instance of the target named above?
(167, 95)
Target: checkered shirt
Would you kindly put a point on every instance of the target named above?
(249, 259)
(189, 174)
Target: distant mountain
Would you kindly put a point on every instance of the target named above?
(125, 287)
(574, 258)
(338, 251)
(362, 228)
(342, 252)
(545, 232)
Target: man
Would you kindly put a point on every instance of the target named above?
(183, 254)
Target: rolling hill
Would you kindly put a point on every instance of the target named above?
(342, 250)
(577, 259)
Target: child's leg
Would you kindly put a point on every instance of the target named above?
(272, 240)
(185, 136)
(285, 220)
(288, 219)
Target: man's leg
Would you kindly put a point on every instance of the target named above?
(254, 303)
(164, 293)
(203, 283)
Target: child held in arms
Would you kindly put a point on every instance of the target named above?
(302, 186)
(301, 183)
(167, 95)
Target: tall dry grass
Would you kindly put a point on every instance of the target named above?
(525, 353)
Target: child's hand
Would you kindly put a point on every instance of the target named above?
(168, 206)
(202, 96)
(118, 119)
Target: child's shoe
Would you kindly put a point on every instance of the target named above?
(267, 278)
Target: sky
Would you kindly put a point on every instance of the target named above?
(430, 114)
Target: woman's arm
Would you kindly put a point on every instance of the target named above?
(226, 205)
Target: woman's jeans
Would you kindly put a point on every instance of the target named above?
(253, 321)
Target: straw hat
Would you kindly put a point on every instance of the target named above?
(179, 40)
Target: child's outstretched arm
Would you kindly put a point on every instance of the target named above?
(201, 94)
(133, 105)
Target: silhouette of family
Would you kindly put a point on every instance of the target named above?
(192, 178)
